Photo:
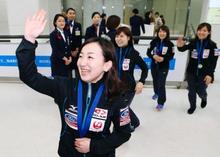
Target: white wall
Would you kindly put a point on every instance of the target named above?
(3, 18)
(18, 11)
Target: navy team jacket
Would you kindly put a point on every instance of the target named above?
(64, 91)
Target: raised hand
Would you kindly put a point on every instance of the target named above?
(35, 25)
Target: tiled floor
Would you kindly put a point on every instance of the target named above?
(30, 124)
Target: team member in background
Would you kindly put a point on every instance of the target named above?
(61, 52)
(201, 65)
(95, 30)
(160, 52)
(75, 35)
(89, 104)
(127, 59)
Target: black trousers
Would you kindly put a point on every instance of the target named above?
(159, 81)
(134, 119)
(196, 85)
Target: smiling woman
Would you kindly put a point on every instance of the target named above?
(201, 66)
(88, 105)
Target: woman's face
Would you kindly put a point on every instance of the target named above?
(60, 22)
(122, 39)
(71, 15)
(162, 34)
(96, 19)
(91, 63)
(203, 33)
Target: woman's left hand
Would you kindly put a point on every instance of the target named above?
(208, 79)
(82, 145)
(139, 87)
(160, 59)
(35, 25)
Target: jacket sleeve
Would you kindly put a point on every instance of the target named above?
(54, 47)
(121, 132)
(142, 24)
(143, 66)
(25, 54)
(213, 61)
(170, 53)
(150, 49)
(87, 34)
(215, 57)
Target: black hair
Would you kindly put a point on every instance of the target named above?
(208, 26)
(127, 32)
(157, 13)
(165, 29)
(56, 17)
(113, 22)
(69, 10)
(135, 11)
(94, 13)
(112, 82)
(103, 15)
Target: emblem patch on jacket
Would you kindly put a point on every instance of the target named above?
(124, 116)
(71, 119)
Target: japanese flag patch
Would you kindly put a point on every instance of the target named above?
(124, 116)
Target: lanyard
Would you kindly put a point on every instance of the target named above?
(83, 122)
(121, 58)
(200, 48)
(159, 48)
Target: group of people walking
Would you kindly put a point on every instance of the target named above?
(104, 86)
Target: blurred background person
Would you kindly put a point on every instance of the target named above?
(61, 51)
(136, 22)
(95, 30)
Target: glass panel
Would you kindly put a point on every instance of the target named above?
(174, 12)
(142, 5)
(114, 7)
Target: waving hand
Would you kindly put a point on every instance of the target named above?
(35, 25)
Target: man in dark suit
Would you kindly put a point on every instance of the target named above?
(74, 30)
(136, 22)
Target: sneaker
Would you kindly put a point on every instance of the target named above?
(159, 107)
(154, 97)
(203, 103)
(191, 110)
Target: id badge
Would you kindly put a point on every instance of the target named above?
(194, 54)
(164, 50)
(125, 65)
(217, 52)
(205, 53)
(77, 33)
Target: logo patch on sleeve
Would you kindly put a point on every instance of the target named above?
(71, 120)
(124, 116)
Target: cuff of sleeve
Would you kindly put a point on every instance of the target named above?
(30, 44)
(142, 81)
(92, 145)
